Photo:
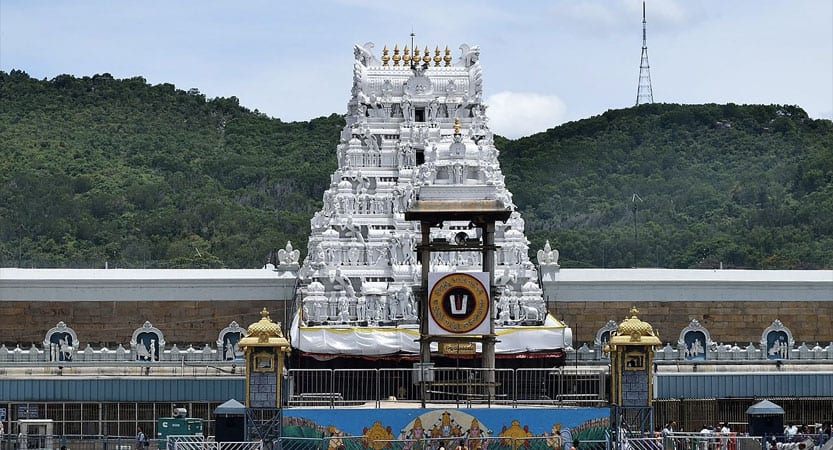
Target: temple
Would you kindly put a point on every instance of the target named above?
(416, 130)
(100, 352)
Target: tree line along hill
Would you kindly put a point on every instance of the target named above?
(98, 169)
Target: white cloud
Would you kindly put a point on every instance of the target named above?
(517, 114)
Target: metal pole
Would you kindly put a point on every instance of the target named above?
(424, 343)
(489, 341)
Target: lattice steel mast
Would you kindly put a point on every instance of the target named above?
(644, 94)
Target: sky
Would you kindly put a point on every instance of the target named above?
(544, 62)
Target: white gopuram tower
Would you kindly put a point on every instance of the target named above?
(416, 129)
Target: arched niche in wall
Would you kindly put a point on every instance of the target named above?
(603, 337)
(227, 342)
(777, 341)
(695, 342)
(147, 343)
(60, 343)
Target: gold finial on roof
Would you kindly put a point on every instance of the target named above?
(396, 56)
(406, 60)
(427, 58)
(416, 55)
(264, 328)
(457, 125)
(385, 56)
(264, 333)
(447, 58)
(634, 329)
(437, 58)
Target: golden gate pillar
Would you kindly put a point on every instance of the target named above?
(631, 349)
(265, 350)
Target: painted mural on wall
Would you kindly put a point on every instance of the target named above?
(430, 429)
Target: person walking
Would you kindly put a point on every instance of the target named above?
(141, 439)
(724, 436)
(705, 438)
(667, 433)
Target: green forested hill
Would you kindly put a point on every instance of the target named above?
(97, 169)
(680, 186)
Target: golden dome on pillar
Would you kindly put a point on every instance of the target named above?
(634, 331)
(264, 333)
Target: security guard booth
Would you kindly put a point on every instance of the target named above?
(765, 418)
(35, 434)
(229, 422)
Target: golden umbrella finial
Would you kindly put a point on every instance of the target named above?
(385, 56)
(447, 57)
(427, 55)
(396, 56)
(437, 58)
(406, 60)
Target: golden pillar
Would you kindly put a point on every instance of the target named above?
(631, 349)
(265, 350)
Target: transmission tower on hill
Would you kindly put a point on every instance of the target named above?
(644, 94)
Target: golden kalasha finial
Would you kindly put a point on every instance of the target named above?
(396, 57)
(385, 56)
(427, 58)
(416, 55)
(437, 57)
(457, 125)
(634, 312)
(447, 57)
(406, 60)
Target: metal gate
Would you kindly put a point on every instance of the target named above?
(201, 443)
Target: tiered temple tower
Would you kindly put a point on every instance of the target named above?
(415, 119)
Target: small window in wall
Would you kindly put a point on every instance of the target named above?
(264, 362)
(419, 115)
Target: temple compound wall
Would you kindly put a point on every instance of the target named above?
(732, 323)
(191, 307)
(111, 323)
(105, 307)
(736, 306)
(199, 321)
